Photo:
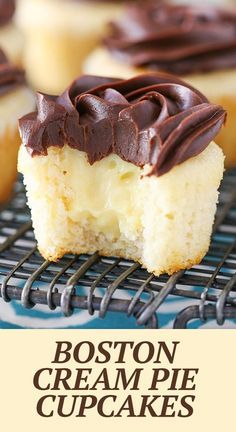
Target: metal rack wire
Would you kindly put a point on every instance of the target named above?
(95, 283)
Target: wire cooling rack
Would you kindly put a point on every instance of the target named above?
(94, 283)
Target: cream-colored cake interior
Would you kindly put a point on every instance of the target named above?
(163, 222)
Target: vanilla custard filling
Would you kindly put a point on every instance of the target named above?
(108, 196)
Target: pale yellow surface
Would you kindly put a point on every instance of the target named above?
(212, 351)
(219, 87)
(9, 146)
(58, 37)
(101, 62)
(12, 106)
(12, 43)
(52, 73)
(163, 222)
(66, 15)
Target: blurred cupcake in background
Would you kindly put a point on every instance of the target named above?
(59, 35)
(11, 39)
(196, 42)
(16, 99)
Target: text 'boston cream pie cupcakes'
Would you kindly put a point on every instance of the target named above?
(59, 35)
(11, 39)
(124, 167)
(16, 99)
(196, 42)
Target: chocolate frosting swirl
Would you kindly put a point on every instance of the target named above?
(175, 38)
(7, 10)
(153, 119)
(10, 75)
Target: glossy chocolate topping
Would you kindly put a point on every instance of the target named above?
(153, 119)
(7, 9)
(10, 75)
(175, 38)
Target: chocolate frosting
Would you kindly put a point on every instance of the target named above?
(7, 9)
(175, 38)
(153, 119)
(10, 75)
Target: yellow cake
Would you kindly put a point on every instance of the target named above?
(124, 167)
(59, 35)
(198, 43)
(11, 38)
(16, 99)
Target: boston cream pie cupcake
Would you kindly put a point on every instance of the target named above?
(124, 167)
(196, 42)
(59, 35)
(11, 39)
(15, 100)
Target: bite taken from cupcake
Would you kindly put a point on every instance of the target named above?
(128, 168)
(196, 42)
(16, 99)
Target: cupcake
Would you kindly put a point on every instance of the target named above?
(11, 39)
(124, 167)
(59, 35)
(196, 42)
(16, 99)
